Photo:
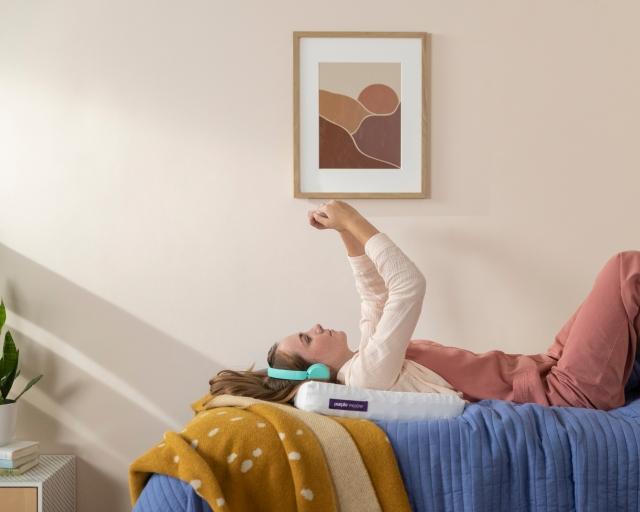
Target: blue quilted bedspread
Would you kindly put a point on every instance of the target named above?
(504, 456)
(497, 456)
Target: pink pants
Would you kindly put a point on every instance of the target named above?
(596, 348)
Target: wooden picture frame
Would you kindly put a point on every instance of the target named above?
(364, 147)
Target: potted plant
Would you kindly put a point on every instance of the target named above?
(8, 372)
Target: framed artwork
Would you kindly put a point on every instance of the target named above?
(361, 118)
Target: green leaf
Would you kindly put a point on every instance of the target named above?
(5, 387)
(31, 383)
(9, 365)
(9, 345)
(2, 379)
(3, 314)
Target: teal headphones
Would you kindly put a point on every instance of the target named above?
(315, 371)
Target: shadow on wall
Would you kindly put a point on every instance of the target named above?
(112, 384)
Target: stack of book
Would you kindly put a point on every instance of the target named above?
(18, 457)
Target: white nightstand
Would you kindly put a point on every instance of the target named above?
(48, 487)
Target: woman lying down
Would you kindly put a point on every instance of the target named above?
(587, 365)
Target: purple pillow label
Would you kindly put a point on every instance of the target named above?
(348, 405)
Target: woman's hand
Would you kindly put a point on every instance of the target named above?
(333, 215)
(313, 221)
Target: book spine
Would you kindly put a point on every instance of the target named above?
(10, 464)
(10, 472)
(17, 471)
(18, 454)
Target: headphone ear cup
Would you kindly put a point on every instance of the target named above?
(319, 371)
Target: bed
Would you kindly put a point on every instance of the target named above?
(498, 455)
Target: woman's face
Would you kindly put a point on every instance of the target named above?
(319, 345)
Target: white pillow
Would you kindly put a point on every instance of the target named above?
(375, 404)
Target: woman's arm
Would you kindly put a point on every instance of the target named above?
(351, 244)
(369, 284)
(381, 353)
(392, 291)
(361, 229)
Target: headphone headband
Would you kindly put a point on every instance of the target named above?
(315, 371)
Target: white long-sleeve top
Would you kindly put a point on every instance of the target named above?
(392, 291)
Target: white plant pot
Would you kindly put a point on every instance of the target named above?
(8, 416)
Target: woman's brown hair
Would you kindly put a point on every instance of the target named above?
(257, 384)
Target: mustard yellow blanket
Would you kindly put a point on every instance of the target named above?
(245, 454)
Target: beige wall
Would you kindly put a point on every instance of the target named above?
(148, 232)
